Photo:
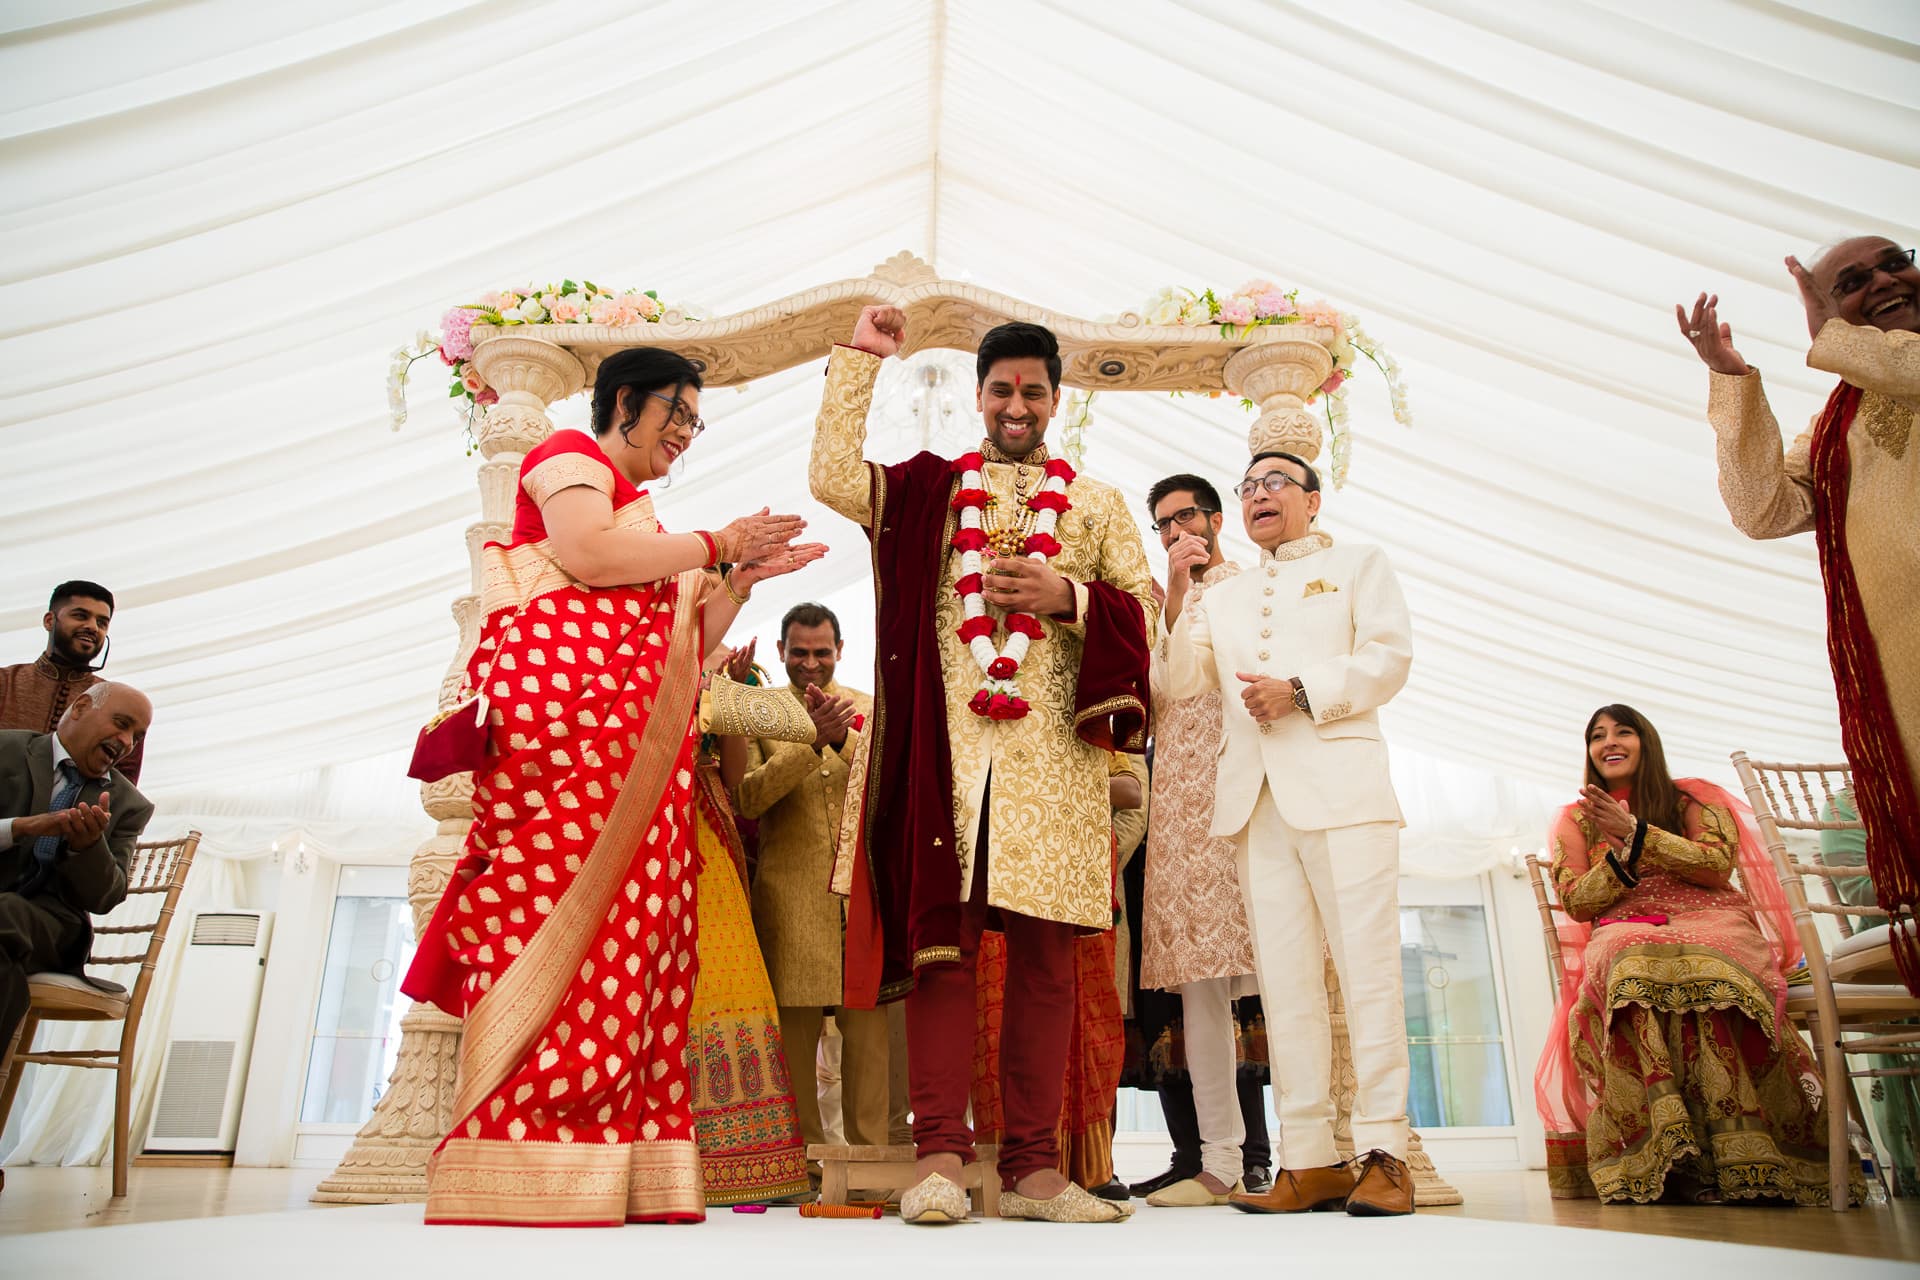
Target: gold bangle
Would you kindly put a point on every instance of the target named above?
(726, 580)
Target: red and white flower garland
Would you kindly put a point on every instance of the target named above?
(999, 697)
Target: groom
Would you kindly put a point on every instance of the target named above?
(988, 791)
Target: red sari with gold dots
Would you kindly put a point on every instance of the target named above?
(567, 934)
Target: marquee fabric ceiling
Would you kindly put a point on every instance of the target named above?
(220, 218)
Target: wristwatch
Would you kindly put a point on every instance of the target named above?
(1300, 696)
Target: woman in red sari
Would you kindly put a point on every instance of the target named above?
(567, 934)
(1672, 1070)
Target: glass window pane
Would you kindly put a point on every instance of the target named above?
(356, 1032)
(1453, 1019)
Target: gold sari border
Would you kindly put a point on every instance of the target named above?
(511, 577)
(559, 1184)
(503, 1022)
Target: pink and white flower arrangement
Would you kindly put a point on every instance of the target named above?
(568, 302)
(1262, 302)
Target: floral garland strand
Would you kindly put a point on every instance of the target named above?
(999, 697)
(565, 303)
(1262, 302)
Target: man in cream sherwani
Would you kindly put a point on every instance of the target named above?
(1306, 648)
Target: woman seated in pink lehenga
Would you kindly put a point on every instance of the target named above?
(1671, 1070)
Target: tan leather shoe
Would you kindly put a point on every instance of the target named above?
(1299, 1191)
(1385, 1189)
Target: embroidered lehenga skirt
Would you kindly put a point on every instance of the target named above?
(743, 1108)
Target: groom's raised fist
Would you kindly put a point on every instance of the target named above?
(880, 330)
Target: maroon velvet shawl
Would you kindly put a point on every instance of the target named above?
(906, 890)
(1883, 778)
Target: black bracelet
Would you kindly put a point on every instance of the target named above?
(1620, 871)
(1639, 844)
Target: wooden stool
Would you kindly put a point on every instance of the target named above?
(844, 1170)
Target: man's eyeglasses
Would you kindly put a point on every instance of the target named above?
(1854, 279)
(1272, 482)
(1183, 516)
(680, 415)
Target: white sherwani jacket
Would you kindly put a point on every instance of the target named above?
(1334, 617)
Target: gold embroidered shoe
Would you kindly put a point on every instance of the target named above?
(934, 1201)
(1191, 1193)
(1072, 1205)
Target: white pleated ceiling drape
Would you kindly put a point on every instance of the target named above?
(219, 218)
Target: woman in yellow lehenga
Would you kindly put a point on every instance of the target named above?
(743, 1109)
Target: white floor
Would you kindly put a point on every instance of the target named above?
(389, 1241)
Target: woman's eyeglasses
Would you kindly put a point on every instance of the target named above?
(680, 415)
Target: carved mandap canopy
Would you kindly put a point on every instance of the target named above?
(1276, 366)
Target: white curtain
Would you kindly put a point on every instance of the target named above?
(221, 217)
(365, 811)
(64, 1115)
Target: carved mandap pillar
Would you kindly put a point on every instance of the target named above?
(1429, 1188)
(388, 1159)
(1278, 369)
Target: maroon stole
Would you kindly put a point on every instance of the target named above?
(1883, 787)
(905, 898)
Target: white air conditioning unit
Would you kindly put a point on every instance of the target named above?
(210, 1036)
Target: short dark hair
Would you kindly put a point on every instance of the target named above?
(644, 370)
(809, 614)
(1208, 496)
(1018, 341)
(79, 588)
(1313, 477)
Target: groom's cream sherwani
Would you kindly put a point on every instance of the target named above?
(1311, 805)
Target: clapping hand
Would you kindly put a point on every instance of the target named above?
(80, 827)
(832, 716)
(1820, 307)
(739, 664)
(757, 536)
(1614, 819)
(880, 330)
(778, 564)
(1712, 341)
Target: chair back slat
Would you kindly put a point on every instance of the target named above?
(1796, 796)
(1549, 927)
(156, 867)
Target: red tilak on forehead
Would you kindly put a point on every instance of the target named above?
(1016, 382)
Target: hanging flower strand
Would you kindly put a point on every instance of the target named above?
(1262, 302)
(999, 696)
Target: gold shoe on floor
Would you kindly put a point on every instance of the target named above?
(1191, 1193)
(1075, 1204)
(933, 1201)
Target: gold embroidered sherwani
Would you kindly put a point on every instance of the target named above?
(797, 794)
(1049, 824)
(1770, 494)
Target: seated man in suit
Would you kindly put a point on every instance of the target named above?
(1307, 647)
(68, 820)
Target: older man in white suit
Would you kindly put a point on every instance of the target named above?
(1307, 647)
